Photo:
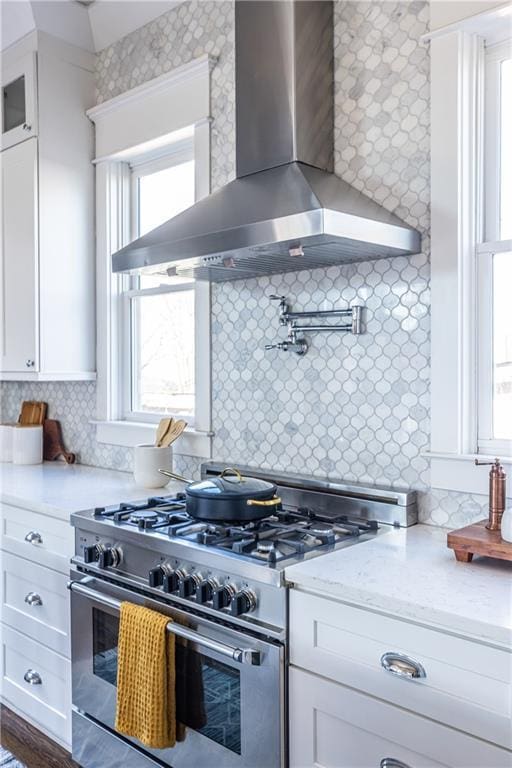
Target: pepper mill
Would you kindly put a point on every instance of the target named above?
(497, 493)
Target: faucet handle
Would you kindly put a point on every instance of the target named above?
(275, 297)
(495, 463)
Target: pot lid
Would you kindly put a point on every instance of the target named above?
(231, 484)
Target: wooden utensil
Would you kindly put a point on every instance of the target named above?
(32, 412)
(162, 429)
(174, 432)
(53, 444)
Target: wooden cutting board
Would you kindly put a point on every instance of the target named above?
(53, 444)
(475, 539)
(32, 412)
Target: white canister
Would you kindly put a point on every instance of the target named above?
(147, 460)
(506, 525)
(6, 433)
(27, 444)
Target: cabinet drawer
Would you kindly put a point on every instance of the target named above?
(334, 727)
(47, 703)
(467, 685)
(35, 601)
(37, 537)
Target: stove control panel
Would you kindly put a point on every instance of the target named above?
(207, 590)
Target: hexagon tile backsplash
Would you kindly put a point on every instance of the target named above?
(355, 407)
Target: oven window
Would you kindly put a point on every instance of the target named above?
(207, 691)
(104, 645)
(208, 697)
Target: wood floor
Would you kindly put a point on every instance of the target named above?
(29, 745)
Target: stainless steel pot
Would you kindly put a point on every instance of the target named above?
(228, 497)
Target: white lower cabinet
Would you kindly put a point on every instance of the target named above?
(35, 635)
(332, 726)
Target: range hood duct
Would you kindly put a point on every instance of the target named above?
(286, 210)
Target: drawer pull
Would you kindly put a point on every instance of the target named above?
(34, 538)
(32, 677)
(33, 599)
(401, 665)
(392, 762)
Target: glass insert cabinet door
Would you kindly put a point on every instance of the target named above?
(208, 695)
(18, 103)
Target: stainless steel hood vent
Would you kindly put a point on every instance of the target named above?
(286, 210)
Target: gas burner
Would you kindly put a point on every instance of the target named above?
(321, 529)
(144, 515)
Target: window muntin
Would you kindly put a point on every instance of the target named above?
(159, 360)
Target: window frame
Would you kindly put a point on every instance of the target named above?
(491, 245)
(168, 109)
(140, 166)
(457, 221)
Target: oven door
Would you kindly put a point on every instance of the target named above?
(242, 680)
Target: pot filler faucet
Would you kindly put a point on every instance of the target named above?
(292, 322)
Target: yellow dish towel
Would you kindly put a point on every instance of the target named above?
(146, 678)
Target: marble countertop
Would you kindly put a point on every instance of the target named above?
(412, 574)
(58, 489)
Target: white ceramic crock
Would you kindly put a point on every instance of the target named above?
(6, 433)
(147, 460)
(27, 444)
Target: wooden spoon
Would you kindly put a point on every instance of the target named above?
(174, 432)
(164, 426)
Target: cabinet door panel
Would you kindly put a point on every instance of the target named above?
(18, 105)
(332, 726)
(19, 258)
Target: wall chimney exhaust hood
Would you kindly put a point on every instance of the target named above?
(286, 210)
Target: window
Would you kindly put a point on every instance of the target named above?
(153, 330)
(494, 258)
(159, 314)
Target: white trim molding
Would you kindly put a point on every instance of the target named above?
(169, 110)
(169, 103)
(132, 433)
(456, 87)
(459, 473)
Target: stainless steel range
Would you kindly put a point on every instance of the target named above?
(224, 588)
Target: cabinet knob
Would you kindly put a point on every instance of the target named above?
(32, 677)
(392, 762)
(26, 127)
(402, 666)
(33, 599)
(33, 537)
(29, 363)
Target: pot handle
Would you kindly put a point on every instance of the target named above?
(232, 471)
(174, 476)
(269, 503)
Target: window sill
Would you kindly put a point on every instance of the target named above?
(457, 472)
(132, 433)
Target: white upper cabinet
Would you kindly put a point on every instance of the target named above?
(47, 294)
(19, 101)
(20, 262)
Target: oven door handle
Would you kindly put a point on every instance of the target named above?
(240, 655)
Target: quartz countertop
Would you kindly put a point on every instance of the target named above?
(412, 574)
(56, 488)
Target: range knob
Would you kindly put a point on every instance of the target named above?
(157, 574)
(205, 590)
(171, 580)
(223, 596)
(188, 584)
(110, 557)
(243, 602)
(92, 553)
